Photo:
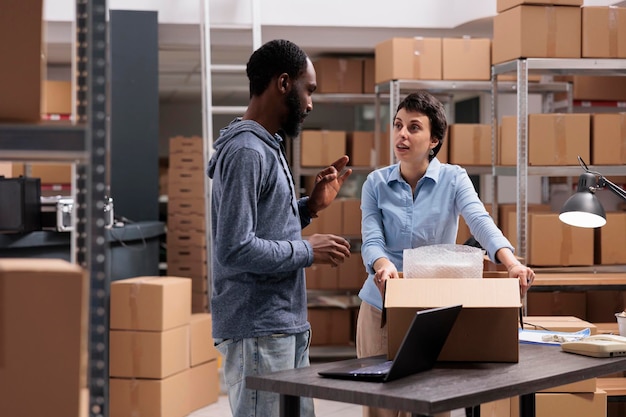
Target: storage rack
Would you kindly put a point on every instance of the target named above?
(546, 66)
(446, 90)
(84, 145)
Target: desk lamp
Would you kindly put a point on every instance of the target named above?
(583, 208)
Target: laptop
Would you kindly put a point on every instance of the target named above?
(418, 352)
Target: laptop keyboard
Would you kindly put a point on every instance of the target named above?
(378, 369)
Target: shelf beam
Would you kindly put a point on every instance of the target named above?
(43, 142)
(573, 66)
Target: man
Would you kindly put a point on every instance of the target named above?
(258, 302)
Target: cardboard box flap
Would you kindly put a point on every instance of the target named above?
(441, 292)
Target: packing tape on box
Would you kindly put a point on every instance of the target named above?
(567, 245)
(342, 74)
(551, 36)
(613, 11)
(476, 144)
(135, 346)
(418, 48)
(622, 135)
(560, 138)
(467, 44)
(134, 398)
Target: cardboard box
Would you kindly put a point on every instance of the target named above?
(608, 139)
(178, 238)
(320, 148)
(351, 217)
(351, 273)
(588, 404)
(187, 161)
(58, 174)
(142, 354)
(503, 5)
(470, 144)
(150, 303)
(204, 385)
(507, 218)
(559, 324)
(588, 385)
(177, 221)
(603, 32)
(613, 240)
(322, 277)
(186, 254)
(493, 301)
(369, 75)
(596, 87)
(554, 243)
(43, 337)
(186, 206)
(22, 64)
(557, 303)
(558, 139)
(409, 59)
(536, 32)
(330, 326)
(603, 304)
(329, 220)
(182, 144)
(199, 302)
(167, 397)
(191, 269)
(507, 141)
(467, 59)
(202, 346)
(181, 175)
(361, 148)
(56, 97)
(339, 75)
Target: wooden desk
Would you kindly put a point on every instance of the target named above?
(449, 386)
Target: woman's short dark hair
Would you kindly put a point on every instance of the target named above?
(426, 103)
(272, 59)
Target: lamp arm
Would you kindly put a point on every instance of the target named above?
(603, 182)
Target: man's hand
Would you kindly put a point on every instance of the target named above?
(329, 249)
(328, 182)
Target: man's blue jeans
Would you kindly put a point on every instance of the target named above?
(260, 355)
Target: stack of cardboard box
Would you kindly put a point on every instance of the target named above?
(186, 218)
(433, 59)
(162, 359)
(43, 338)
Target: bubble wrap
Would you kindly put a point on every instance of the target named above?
(443, 261)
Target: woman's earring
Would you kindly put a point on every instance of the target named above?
(431, 153)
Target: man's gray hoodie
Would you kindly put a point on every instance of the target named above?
(258, 251)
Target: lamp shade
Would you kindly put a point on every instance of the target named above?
(583, 208)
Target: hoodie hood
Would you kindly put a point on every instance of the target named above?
(236, 127)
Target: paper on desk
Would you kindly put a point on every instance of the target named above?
(545, 337)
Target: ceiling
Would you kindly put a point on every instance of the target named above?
(180, 52)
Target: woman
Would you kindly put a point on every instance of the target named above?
(413, 203)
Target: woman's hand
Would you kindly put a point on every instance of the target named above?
(525, 275)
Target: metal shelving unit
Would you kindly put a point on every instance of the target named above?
(83, 144)
(445, 91)
(545, 66)
(296, 146)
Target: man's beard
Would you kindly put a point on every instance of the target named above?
(293, 124)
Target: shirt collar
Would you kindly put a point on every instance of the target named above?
(432, 172)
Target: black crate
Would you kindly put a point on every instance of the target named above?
(20, 204)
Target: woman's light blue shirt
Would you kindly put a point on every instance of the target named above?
(393, 219)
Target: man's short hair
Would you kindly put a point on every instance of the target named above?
(272, 59)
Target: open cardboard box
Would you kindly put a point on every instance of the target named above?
(486, 329)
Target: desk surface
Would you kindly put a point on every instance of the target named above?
(448, 386)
